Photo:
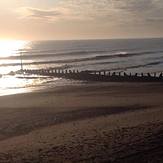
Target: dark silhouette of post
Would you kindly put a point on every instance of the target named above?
(113, 74)
(149, 75)
(155, 75)
(125, 74)
(96, 75)
(160, 76)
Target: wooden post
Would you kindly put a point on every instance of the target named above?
(109, 73)
(125, 74)
(113, 74)
(155, 74)
(160, 76)
(149, 75)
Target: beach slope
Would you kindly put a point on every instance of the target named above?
(100, 122)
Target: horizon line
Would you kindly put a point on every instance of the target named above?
(87, 39)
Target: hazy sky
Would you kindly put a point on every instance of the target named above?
(80, 19)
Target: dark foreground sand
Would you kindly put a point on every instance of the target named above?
(90, 123)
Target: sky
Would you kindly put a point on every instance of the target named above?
(80, 19)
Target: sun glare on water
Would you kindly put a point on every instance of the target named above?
(10, 47)
(11, 84)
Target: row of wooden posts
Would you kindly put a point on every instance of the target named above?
(102, 73)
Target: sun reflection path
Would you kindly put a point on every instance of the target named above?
(11, 84)
(18, 83)
(10, 47)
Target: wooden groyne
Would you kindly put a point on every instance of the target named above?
(104, 76)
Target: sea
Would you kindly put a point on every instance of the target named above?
(115, 55)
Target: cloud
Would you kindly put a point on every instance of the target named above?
(39, 13)
(42, 14)
(115, 11)
(132, 5)
(106, 11)
(155, 20)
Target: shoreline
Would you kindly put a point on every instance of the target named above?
(86, 123)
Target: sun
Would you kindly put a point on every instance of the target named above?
(11, 47)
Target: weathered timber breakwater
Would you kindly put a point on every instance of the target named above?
(104, 76)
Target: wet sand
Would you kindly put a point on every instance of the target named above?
(100, 122)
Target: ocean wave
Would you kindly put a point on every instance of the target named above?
(64, 61)
(46, 55)
(68, 66)
(134, 66)
(73, 52)
(65, 66)
(108, 55)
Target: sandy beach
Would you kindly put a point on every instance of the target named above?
(100, 122)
